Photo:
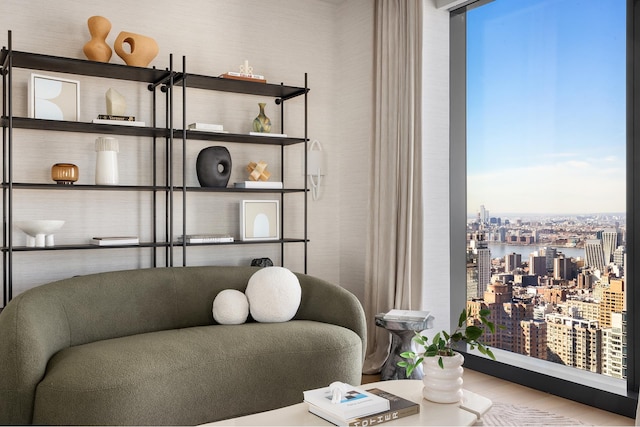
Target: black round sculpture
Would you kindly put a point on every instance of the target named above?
(213, 167)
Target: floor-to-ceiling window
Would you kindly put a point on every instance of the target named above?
(544, 85)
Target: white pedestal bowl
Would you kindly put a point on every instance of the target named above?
(39, 232)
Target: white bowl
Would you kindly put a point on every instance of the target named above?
(37, 229)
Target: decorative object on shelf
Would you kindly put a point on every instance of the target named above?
(116, 103)
(54, 98)
(213, 166)
(64, 173)
(258, 171)
(39, 232)
(97, 48)
(261, 262)
(106, 160)
(115, 241)
(446, 386)
(273, 185)
(259, 220)
(246, 73)
(262, 123)
(142, 49)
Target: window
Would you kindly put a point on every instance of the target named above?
(540, 130)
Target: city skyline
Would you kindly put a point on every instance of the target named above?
(546, 107)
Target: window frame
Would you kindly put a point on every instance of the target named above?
(620, 403)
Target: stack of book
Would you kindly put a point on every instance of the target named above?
(115, 241)
(244, 76)
(359, 407)
(207, 127)
(206, 238)
(259, 184)
(110, 119)
(407, 315)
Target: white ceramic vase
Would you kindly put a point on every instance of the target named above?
(443, 385)
(106, 161)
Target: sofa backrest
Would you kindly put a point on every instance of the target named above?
(41, 321)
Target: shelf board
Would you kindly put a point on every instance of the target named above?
(84, 247)
(83, 127)
(221, 84)
(240, 190)
(237, 137)
(57, 64)
(40, 186)
(245, 242)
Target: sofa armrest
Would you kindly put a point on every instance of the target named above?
(329, 303)
(33, 327)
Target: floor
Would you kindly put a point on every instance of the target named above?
(507, 392)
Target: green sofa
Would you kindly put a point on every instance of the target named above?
(140, 347)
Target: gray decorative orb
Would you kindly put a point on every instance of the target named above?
(213, 167)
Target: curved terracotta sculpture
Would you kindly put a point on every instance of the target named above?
(97, 48)
(143, 48)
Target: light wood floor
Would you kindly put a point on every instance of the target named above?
(506, 392)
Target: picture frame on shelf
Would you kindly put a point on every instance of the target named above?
(53, 98)
(259, 220)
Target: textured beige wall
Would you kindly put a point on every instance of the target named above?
(282, 39)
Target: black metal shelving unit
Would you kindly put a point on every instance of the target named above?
(280, 94)
(154, 78)
(166, 81)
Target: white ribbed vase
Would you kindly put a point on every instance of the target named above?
(443, 385)
(106, 161)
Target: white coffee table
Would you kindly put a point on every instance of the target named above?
(466, 413)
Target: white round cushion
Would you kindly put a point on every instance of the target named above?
(274, 294)
(230, 307)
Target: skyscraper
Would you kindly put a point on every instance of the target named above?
(512, 261)
(481, 257)
(594, 254)
(609, 243)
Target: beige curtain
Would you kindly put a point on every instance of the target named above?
(394, 259)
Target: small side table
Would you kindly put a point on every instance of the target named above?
(402, 333)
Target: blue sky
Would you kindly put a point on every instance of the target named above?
(546, 106)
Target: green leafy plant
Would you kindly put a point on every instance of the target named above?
(442, 343)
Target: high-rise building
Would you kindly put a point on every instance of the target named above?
(550, 254)
(594, 254)
(533, 339)
(609, 243)
(618, 256)
(512, 261)
(574, 342)
(481, 260)
(612, 301)
(538, 265)
(563, 268)
(614, 351)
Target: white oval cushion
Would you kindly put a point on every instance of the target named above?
(274, 294)
(230, 307)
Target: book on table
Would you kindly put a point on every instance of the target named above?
(354, 402)
(399, 407)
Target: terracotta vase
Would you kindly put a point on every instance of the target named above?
(97, 48)
(262, 123)
(443, 385)
(142, 49)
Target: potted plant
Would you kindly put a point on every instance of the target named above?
(443, 376)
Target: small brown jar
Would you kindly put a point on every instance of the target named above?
(64, 173)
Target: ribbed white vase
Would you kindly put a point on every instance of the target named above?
(106, 161)
(443, 385)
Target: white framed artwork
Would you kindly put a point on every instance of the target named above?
(54, 98)
(260, 220)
